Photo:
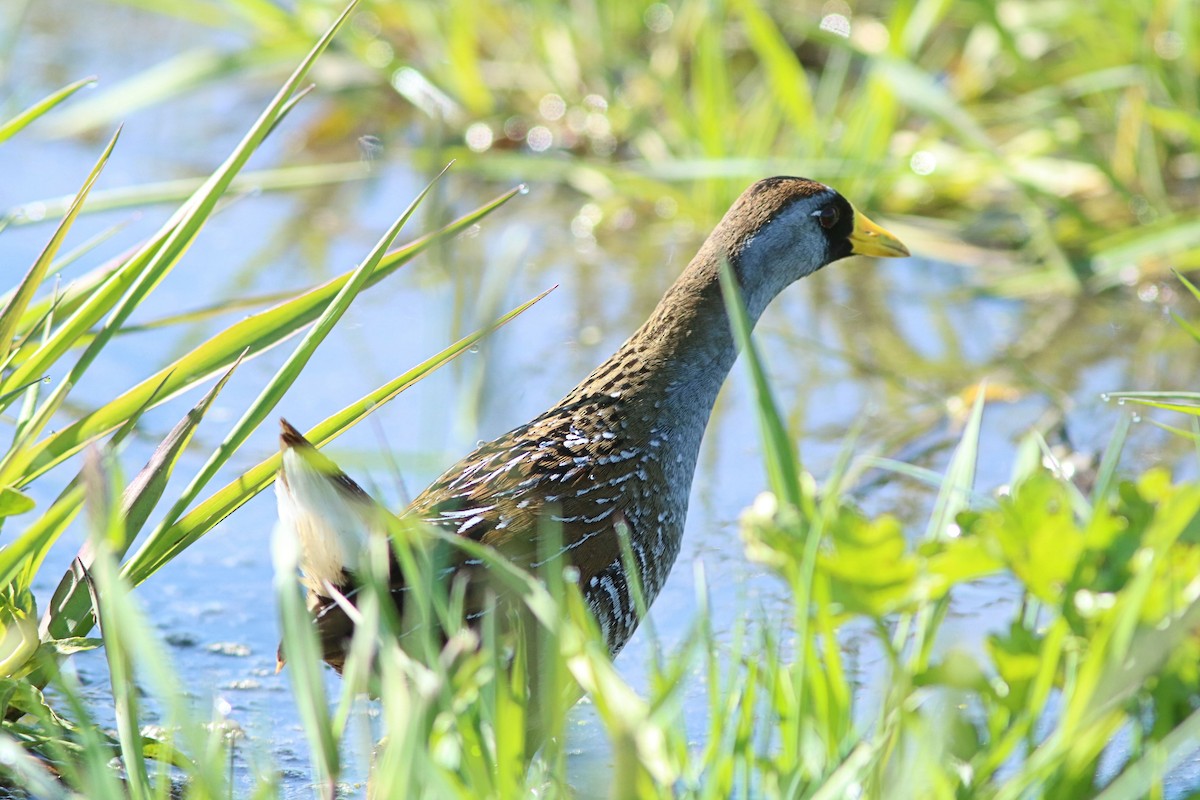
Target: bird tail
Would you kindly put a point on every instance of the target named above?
(329, 514)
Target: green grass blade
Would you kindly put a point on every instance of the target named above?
(15, 308)
(1191, 287)
(1106, 473)
(304, 668)
(161, 82)
(146, 269)
(64, 301)
(38, 537)
(23, 769)
(146, 489)
(252, 336)
(785, 73)
(1138, 778)
(279, 179)
(13, 502)
(959, 481)
(69, 612)
(9, 128)
(131, 647)
(226, 500)
(284, 377)
(783, 466)
(114, 619)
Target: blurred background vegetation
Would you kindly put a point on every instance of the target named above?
(1060, 137)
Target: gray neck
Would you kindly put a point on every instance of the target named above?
(678, 360)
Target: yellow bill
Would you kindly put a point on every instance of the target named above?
(868, 239)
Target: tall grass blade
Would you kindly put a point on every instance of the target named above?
(1106, 473)
(106, 526)
(1139, 778)
(20, 299)
(18, 766)
(277, 179)
(226, 500)
(959, 481)
(285, 376)
(783, 467)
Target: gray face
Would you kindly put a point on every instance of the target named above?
(790, 246)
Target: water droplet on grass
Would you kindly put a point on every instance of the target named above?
(523, 188)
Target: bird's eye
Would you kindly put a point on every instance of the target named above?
(827, 216)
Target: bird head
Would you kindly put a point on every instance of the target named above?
(783, 229)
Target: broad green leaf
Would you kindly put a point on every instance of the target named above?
(1035, 529)
(868, 564)
(13, 502)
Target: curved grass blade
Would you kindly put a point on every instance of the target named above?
(225, 501)
(253, 335)
(11, 127)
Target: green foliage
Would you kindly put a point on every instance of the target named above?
(1091, 591)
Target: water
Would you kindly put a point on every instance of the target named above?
(877, 344)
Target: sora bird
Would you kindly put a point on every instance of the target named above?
(618, 451)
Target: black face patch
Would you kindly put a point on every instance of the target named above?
(837, 237)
